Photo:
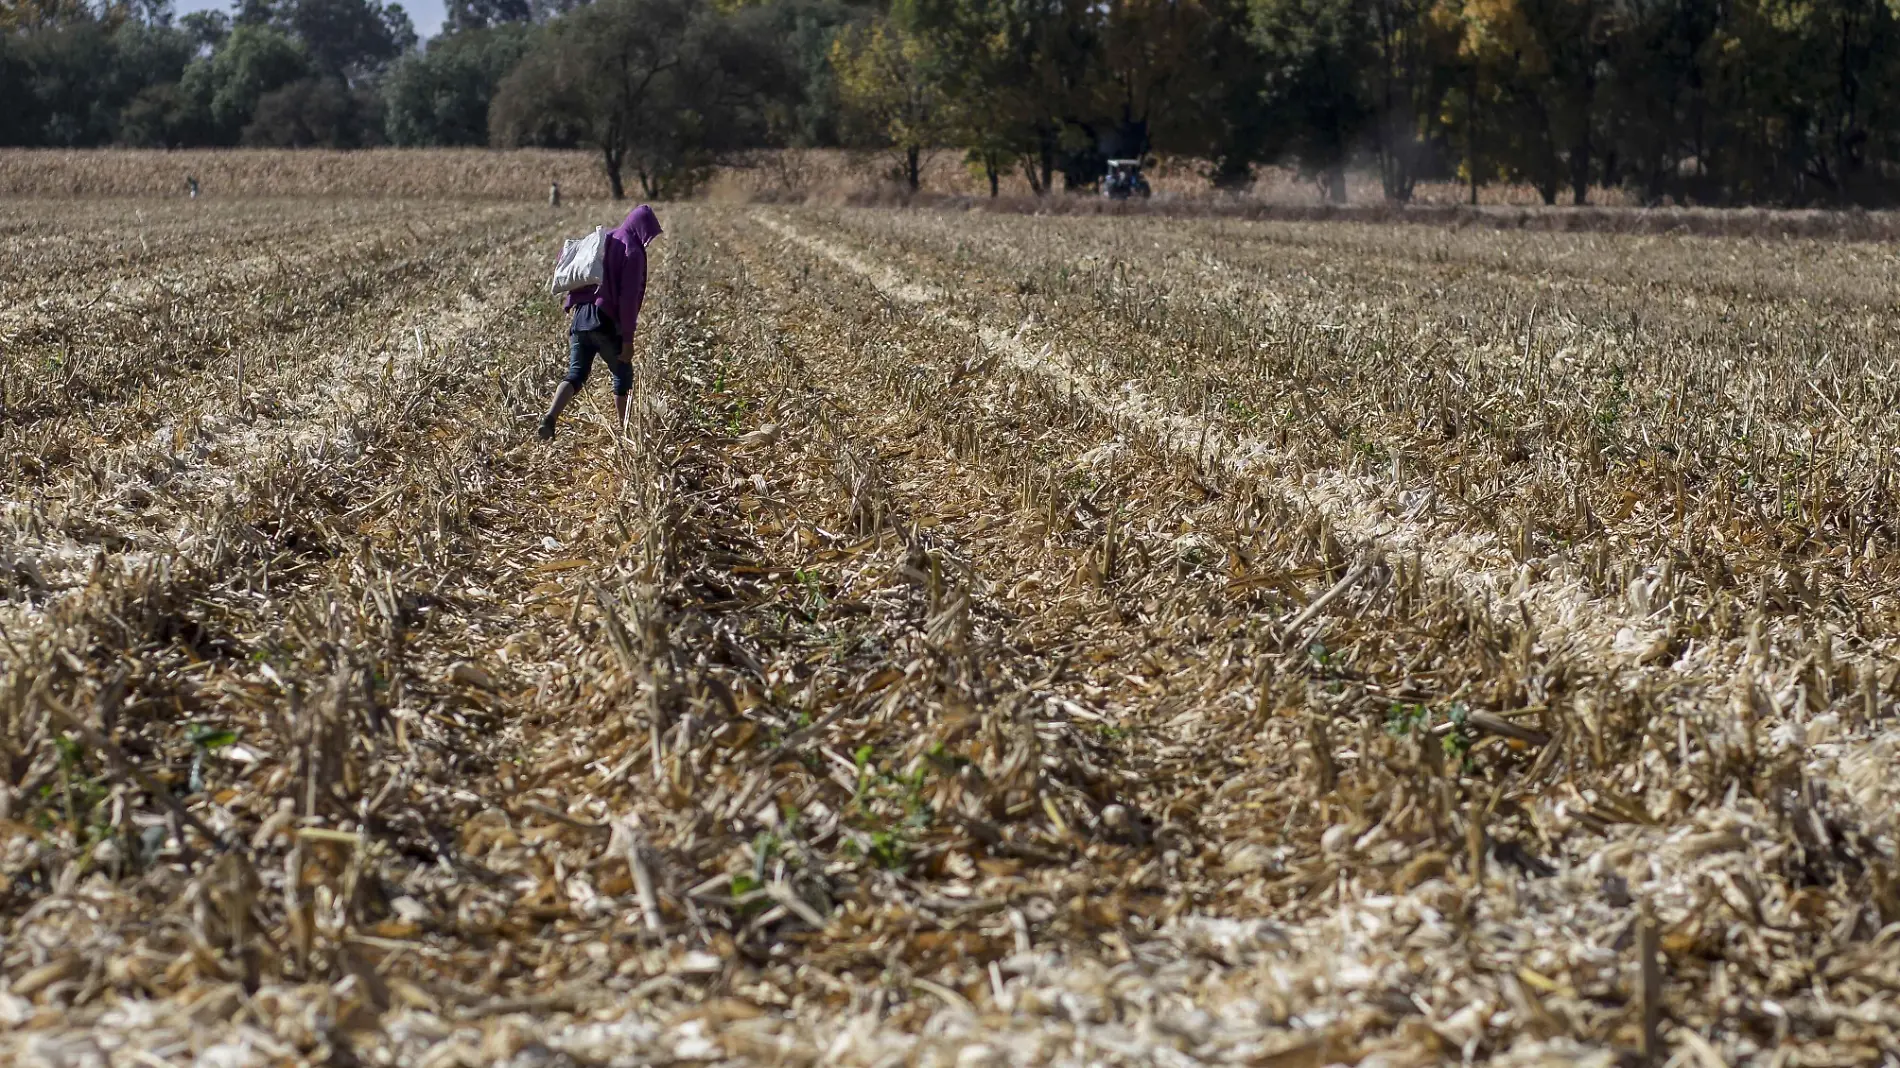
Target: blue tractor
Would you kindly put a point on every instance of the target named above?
(1123, 180)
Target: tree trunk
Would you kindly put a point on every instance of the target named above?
(1396, 163)
(1583, 151)
(612, 159)
(1333, 181)
(913, 166)
(989, 169)
(1046, 149)
(1390, 129)
(1580, 171)
(1846, 141)
(1471, 135)
(1398, 156)
(1471, 160)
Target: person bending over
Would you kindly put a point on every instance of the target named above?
(605, 316)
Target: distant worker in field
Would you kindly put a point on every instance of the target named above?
(191, 186)
(605, 315)
(554, 194)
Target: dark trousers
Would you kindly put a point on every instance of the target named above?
(583, 346)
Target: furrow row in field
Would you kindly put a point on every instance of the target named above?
(1554, 512)
(285, 543)
(1709, 283)
(381, 601)
(1365, 510)
(89, 245)
(1739, 272)
(1121, 541)
(109, 348)
(130, 508)
(1631, 644)
(1712, 571)
(1506, 394)
(1475, 333)
(1558, 902)
(131, 450)
(1512, 327)
(299, 240)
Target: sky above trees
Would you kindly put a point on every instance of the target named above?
(426, 14)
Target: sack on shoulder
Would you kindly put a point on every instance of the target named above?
(581, 262)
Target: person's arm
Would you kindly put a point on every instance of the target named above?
(633, 291)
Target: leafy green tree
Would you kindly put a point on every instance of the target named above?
(1413, 63)
(1230, 128)
(1025, 80)
(1316, 53)
(806, 30)
(206, 29)
(1153, 64)
(159, 116)
(348, 40)
(658, 87)
(70, 78)
(311, 112)
(972, 49)
(1836, 81)
(1660, 51)
(255, 12)
(896, 87)
(140, 84)
(31, 14)
(462, 16)
(225, 87)
(1060, 42)
(60, 62)
(441, 96)
(1538, 58)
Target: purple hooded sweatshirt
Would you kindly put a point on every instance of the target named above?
(623, 285)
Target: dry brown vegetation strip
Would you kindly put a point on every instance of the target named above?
(871, 179)
(1610, 211)
(994, 641)
(420, 174)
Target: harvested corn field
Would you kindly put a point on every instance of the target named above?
(993, 640)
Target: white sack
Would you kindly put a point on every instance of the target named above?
(581, 262)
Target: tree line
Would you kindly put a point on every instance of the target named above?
(1695, 101)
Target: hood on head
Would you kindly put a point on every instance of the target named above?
(643, 224)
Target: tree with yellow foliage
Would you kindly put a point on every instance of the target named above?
(1530, 85)
(894, 86)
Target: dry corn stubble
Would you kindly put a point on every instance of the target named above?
(910, 682)
(824, 175)
(1690, 567)
(423, 176)
(103, 492)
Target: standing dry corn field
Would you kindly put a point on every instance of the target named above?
(996, 640)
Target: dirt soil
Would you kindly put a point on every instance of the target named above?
(994, 639)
